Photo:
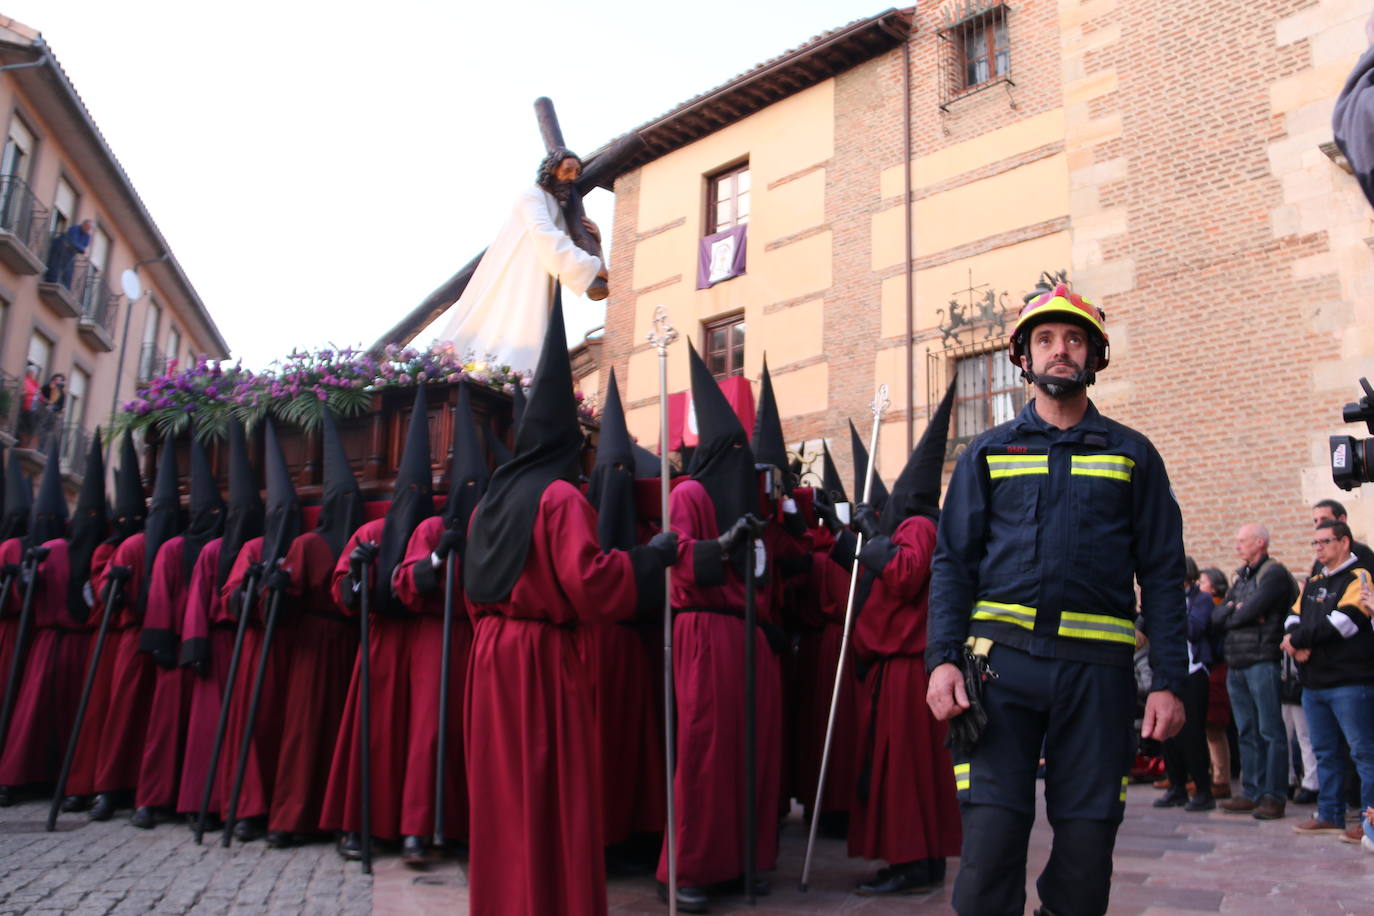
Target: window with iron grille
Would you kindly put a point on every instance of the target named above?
(977, 51)
(727, 199)
(724, 346)
(989, 391)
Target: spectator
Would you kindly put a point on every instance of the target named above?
(29, 400)
(1251, 621)
(48, 411)
(1295, 724)
(1185, 755)
(1330, 637)
(1331, 510)
(63, 251)
(1220, 733)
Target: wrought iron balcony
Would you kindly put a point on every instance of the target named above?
(76, 441)
(152, 362)
(11, 397)
(21, 226)
(64, 282)
(98, 308)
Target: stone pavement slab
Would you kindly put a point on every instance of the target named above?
(1168, 863)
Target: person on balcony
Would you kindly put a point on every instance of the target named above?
(62, 254)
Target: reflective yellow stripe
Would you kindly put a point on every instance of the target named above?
(1116, 467)
(1125, 780)
(1096, 626)
(1017, 465)
(961, 776)
(1017, 614)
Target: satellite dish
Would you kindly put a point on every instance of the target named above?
(129, 281)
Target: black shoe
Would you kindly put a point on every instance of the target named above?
(413, 851)
(1304, 797)
(911, 878)
(689, 899)
(350, 846)
(246, 831)
(75, 803)
(620, 863)
(1176, 797)
(143, 818)
(6, 796)
(278, 839)
(735, 887)
(104, 807)
(1200, 802)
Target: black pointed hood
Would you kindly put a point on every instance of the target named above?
(830, 477)
(878, 498)
(722, 462)
(49, 519)
(796, 467)
(517, 407)
(18, 501)
(283, 521)
(164, 514)
(341, 503)
(499, 453)
(647, 465)
(207, 510)
(468, 475)
(769, 446)
(412, 502)
(548, 445)
(90, 525)
(130, 507)
(917, 489)
(243, 521)
(612, 486)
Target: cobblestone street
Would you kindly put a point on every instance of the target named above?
(1168, 863)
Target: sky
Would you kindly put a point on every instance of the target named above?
(319, 168)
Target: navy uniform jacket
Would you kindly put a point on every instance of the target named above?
(1043, 536)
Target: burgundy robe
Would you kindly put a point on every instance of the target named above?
(324, 644)
(81, 779)
(911, 812)
(388, 639)
(164, 742)
(827, 588)
(209, 629)
(416, 716)
(11, 603)
(708, 671)
(117, 729)
(264, 747)
(533, 780)
(53, 670)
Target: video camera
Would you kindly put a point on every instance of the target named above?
(1353, 459)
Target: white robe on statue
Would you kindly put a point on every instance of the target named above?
(505, 308)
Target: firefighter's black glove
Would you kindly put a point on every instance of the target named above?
(866, 521)
(664, 547)
(967, 728)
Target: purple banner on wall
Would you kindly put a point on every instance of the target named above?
(721, 256)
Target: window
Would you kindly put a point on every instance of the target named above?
(173, 343)
(18, 150)
(99, 252)
(990, 391)
(77, 386)
(40, 354)
(725, 347)
(150, 363)
(986, 49)
(63, 208)
(727, 201)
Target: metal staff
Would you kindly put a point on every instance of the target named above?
(450, 571)
(879, 404)
(365, 721)
(661, 336)
(231, 814)
(751, 828)
(21, 639)
(250, 590)
(111, 597)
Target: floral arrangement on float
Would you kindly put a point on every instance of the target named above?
(295, 390)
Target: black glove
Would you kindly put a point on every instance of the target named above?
(966, 728)
(448, 542)
(664, 546)
(825, 511)
(363, 555)
(254, 571)
(39, 554)
(278, 579)
(10, 569)
(120, 573)
(866, 521)
(745, 526)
